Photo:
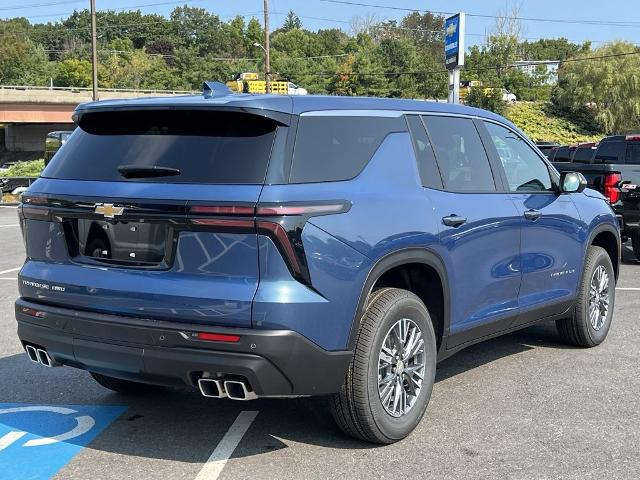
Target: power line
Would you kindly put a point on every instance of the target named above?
(479, 15)
(36, 5)
(478, 69)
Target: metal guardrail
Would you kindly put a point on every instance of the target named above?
(9, 184)
(83, 89)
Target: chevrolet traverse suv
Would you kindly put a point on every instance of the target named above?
(274, 246)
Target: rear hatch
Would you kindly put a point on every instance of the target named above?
(149, 213)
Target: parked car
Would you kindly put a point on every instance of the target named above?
(584, 153)
(53, 142)
(562, 154)
(547, 147)
(614, 170)
(305, 245)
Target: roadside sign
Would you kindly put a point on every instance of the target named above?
(38, 440)
(454, 41)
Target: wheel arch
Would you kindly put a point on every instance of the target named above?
(607, 237)
(404, 259)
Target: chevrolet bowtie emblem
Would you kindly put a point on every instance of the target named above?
(108, 210)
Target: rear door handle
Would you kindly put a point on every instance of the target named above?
(454, 221)
(532, 214)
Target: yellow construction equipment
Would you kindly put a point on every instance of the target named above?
(248, 82)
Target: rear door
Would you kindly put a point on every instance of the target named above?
(151, 214)
(551, 249)
(479, 237)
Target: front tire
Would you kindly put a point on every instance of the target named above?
(592, 315)
(389, 381)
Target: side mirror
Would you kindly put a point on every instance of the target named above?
(572, 182)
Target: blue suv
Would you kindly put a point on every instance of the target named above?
(273, 246)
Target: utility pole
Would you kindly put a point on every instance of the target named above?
(94, 51)
(267, 65)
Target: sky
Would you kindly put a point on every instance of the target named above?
(316, 14)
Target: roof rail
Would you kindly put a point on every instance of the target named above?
(214, 89)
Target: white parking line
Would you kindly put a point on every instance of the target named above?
(10, 270)
(8, 278)
(628, 289)
(218, 459)
(11, 225)
(8, 206)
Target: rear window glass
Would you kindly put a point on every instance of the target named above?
(330, 149)
(584, 155)
(633, 153)
(205, 146)
(563, 154)
(610, 152)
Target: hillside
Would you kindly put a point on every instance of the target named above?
(539, 124)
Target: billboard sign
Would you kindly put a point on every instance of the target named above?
(454, 41)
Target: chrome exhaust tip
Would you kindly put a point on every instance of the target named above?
(32, 353)
(211, 388)
(43, 358)
(238, 390)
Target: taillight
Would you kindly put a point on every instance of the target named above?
(282, 223)
(611, 190)
(632, 138)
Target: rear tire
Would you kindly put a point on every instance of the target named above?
(635, 243)
(387, 364)
(591, 319)
(124, 386)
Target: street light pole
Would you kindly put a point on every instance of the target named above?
(94, 52)
(267, 66)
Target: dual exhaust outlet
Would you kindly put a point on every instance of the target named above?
(40, 356)
(219, 388)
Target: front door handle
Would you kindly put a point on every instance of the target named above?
(532, 214)
(454, 220)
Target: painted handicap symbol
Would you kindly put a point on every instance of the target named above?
(37, 440)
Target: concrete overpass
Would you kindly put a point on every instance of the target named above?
(29, 113)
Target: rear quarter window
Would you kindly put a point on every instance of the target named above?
(338, 148)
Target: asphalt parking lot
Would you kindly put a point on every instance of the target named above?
(521, 406)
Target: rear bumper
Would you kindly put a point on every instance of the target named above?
(274, 362)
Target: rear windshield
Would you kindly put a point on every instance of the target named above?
(584, 155)
(610, 152)
(205, 146)
(563, 154)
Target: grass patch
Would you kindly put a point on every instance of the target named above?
(540, 122)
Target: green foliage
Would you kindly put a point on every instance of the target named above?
(487, 99)
(291, 22)
(609, 87)
(25, 169)
(73, 73)
(541, 121)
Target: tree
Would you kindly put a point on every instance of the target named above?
(291, 22)
(488, 99)
(21, 61)
(608, 88)
(73, 73)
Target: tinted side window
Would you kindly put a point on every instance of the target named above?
(424, 153)
(525, 170)
(461, 157)
(563, 154)
(610, 152)
(633, 153)
(330, 149)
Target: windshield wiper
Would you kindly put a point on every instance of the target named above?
(140, 171)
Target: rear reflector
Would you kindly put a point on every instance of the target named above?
(218, 337)
(223, 222)
(33, 312)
